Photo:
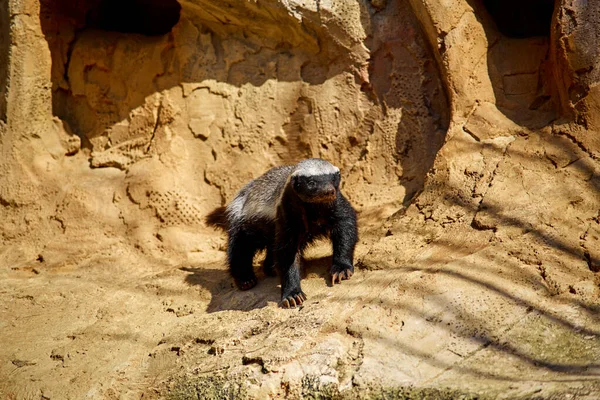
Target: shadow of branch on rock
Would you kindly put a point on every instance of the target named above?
(543, 340)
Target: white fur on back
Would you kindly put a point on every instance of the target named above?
(265, 210)
(261, 196)
(314, 167)
(236, 207)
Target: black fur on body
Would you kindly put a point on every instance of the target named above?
(283, 211)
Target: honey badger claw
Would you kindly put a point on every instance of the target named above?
(293, 301)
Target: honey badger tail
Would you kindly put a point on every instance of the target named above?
(218, 218)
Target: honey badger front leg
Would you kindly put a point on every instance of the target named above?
(288, 256)
(344, 235)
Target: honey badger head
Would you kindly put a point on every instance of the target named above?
(316, 181)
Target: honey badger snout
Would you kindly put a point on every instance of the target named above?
(326, 193)
(319, 189)
(329, 191)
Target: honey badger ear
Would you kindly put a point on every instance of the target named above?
(294, 181)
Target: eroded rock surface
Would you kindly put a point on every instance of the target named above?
(470, 151)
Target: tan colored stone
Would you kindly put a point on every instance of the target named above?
(477, 265)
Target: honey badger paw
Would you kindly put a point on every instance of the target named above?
(246, 283)
(293, 300)
(341, 272)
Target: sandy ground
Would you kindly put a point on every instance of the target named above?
(442, 310)
(114, 146)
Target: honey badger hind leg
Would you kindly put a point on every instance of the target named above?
(269, 263)
(240, 253)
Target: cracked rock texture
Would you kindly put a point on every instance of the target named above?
(471, 156)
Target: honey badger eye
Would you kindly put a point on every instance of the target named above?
(311, 184)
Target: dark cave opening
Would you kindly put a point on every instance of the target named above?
(146, 17)
(63, 22)
(521, 18)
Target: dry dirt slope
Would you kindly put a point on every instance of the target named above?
(477, 280)
(505, 312)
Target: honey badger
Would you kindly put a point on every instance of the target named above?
(283, 211)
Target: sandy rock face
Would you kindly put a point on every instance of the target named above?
(4, 49)
(575, 39)
(575, 43)
(467, 141)
(293, 83)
